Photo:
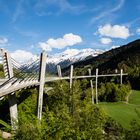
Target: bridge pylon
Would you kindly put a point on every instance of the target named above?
(8, 71)
(41, 83)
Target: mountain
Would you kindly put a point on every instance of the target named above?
(69, 57)
(125, 57)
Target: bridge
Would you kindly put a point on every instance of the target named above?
(33, 74)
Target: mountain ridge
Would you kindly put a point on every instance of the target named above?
(69, 57)
(122, 57)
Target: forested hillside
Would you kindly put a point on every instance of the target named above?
(125, 57)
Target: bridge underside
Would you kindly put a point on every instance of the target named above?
(12, 89)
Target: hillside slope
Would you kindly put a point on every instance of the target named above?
(124, 57)
(123, 112)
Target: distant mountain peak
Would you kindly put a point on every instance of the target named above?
(70, 56)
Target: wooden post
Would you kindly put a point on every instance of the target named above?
(8, 70)
(121, 76)
(71, 75)
(59, 71)
(91, 83)
(96, 87)
(41, 85)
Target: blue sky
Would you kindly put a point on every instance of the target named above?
(56, 25)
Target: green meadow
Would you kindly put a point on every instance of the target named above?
(124, 112)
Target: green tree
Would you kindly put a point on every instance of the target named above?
(111, 92)
(134, 77)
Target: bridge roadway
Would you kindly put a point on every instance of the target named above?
(50, 79)
(10, 88)
(21, 84)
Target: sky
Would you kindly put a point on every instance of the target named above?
(29, 26)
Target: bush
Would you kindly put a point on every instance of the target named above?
(111, 92)
(134, 77)
(134, 132)
(113, 130)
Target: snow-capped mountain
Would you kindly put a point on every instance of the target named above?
(68, 57)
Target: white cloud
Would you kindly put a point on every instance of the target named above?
(3, 41)
(23, 56)
(60, 43)
(115, 31)
(44, 46)
(105, 41)
(138, 31)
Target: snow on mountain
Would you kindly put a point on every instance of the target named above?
(63, 59)
(69, 56)
(72, 55)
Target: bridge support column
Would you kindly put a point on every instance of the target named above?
(91, 84)
(71, 75)
(96, 87)
(59, 71)
(8, 70)
(42, 81)
(121, 76)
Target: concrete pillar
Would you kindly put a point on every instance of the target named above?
(91, 84)
(8, 70)
(71, 75)
(59, 71)
(121, 75)
(41, 85)
(96, 86)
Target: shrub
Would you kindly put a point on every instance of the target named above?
(134, 77)
(111, 92)
(134, 132)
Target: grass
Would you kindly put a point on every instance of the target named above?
(123, 112)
